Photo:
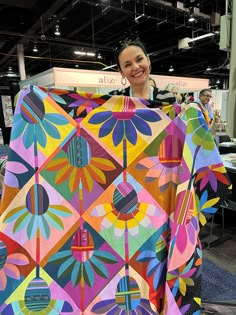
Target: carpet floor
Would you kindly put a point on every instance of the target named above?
(217, 284)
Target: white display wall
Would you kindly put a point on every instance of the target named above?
(104, 81)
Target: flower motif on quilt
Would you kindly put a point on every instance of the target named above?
(180, 278)
(124, 121)
(205, 205)
(85, 103)
(37, 214)
(185, 225)
(125, 212)
(37, 300)
(198, 128)
(127, 300)
(157, 259)
(33, 121)
(212, 174)
(166, 166)
(82, 262)
(55, 94)
(9, 265)
(77, 166)
(14, 171)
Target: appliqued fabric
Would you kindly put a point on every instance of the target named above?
(103, 200)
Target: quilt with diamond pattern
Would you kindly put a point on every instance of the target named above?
(103, 201)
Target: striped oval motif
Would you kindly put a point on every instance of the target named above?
(125, 198)
(82, 245)
(170, 151)
(128, 293)
(37, 200)
(3, 254)
(79, 152)
(32, 109)
(37, 295)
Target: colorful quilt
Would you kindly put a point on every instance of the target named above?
(103, 201)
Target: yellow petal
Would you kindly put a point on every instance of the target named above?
(96, 174)
(103, 164)
(210, 203)
(86, 178)
(197, 300)
(63, 174)
(182, 286)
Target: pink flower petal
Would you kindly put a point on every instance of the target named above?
(3, 280)
(16, 167)
(12, 271)
(17, 259)
(191, 232)
(181, 240)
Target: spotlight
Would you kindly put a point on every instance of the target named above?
(171, 69)
(57, 31)
(91, 54)
(84, 53)
(35, 49)
(218, 81)
(191, 19)
(99, 56)
(208, 68)
(80, 52)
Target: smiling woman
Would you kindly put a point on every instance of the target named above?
(134, 65)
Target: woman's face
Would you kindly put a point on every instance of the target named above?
(134, 65)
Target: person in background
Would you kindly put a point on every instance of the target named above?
(191, 98)
(175, 91)
(204, 98)
(172, 88)
(134, 65)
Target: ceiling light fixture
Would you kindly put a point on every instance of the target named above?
(90, 54)
(201, 37)
(138, 17)
(171, 69)
(218, 81)
(84, 53)
(109, 67)
(99, 56)
(191, 19)
(80, 53)
(208, 68)
(57, 31)
(35, 49)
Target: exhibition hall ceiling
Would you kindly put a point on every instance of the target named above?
(98, 27)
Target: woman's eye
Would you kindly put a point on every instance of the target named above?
(140, 59)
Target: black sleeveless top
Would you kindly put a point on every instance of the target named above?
(159, 96)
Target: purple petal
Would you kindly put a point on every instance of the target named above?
(130, 132)
(11, 180)
(213, 181)
(204, 181)
(142, 126)
(118, 133)
(191, 233)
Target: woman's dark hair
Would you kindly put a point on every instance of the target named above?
(126, 44)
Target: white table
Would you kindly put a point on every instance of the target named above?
(229, 161)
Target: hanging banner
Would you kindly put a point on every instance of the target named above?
(7, 110)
